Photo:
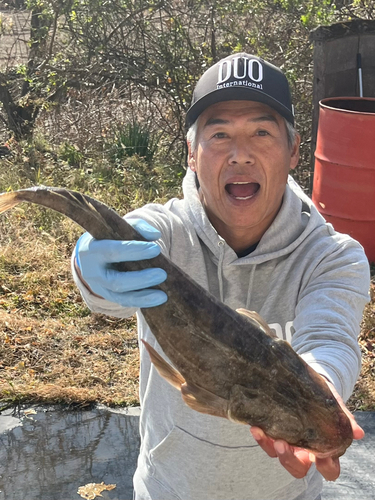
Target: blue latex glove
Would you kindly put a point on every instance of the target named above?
(128, 289)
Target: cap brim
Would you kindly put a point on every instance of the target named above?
(235, 94)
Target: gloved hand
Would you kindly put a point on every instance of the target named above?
(128, 289)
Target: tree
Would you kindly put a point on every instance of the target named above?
(154, 50)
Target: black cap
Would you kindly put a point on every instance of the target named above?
(242, 77)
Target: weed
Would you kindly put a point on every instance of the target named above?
(71, 154)
(133, 139)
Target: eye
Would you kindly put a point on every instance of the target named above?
(310, 434)
(219, 135)
(263, 133)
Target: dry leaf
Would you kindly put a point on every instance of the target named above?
(29, 412)
(91, 490)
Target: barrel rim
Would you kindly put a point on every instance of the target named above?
(323, 103)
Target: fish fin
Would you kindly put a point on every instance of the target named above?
(164, 369)
(8, 201)
(257, 318)
(197, 398)
(204, 401)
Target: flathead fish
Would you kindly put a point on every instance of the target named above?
(226, 363)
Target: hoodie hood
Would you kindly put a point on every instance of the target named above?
(283, 236)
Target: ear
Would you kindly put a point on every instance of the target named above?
(191, 158)
(294, 157)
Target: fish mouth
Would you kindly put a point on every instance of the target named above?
(242, 190)
(335, 453)
(342, 444)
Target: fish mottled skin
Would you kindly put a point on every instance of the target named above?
(226, 363)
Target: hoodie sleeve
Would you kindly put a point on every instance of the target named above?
(329, 313)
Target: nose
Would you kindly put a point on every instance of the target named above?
(240, 152)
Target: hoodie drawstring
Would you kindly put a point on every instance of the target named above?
(220, 270)
(220, 273)
(250, 289)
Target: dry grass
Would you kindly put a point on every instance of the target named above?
(93, 359)
(51, 348)
(363, 397)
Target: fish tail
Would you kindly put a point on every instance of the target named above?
(8, 201)
(95, 217)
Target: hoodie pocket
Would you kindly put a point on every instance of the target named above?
(194, 469)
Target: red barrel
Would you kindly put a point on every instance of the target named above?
(344, 174)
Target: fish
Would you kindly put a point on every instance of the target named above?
(225, 363)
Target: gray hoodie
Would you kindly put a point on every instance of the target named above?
(308, 282)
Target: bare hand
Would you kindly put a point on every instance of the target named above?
(297, 461)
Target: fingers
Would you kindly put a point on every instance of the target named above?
(144, 229)
(139, 299)
(296, 461)
(358, 432)
(132, 289)
(104, 252)
(120, 282)
(328, 467)
(94, 261)
(265, 442)
(123, 251)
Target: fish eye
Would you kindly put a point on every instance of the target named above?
(330, 401)
(310, 434)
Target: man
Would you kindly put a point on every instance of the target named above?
(248, 234)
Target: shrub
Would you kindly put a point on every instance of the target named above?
(133, 139)
(71, 154)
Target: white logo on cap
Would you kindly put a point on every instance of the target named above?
(250, 68)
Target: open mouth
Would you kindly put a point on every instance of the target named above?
(242, 190)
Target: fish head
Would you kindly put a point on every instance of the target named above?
(327, 430)
(318, 425)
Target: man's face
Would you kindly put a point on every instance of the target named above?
(242, 159)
